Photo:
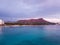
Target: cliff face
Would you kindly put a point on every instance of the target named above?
(40, 21)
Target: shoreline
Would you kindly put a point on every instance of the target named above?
(23, 25)
(26, 25)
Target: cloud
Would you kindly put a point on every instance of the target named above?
(30, 8)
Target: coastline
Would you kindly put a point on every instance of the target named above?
(24, 25)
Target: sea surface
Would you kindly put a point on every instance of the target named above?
(30, 35)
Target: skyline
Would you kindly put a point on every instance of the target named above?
(21, 9)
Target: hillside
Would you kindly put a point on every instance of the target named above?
(39, 21)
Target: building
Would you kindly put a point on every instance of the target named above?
(1, 22)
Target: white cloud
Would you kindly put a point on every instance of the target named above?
(53, 18)
(32, 8)
(28, 5)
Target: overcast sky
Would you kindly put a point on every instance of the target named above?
(21, 9)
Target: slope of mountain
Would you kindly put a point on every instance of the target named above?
(39, 21)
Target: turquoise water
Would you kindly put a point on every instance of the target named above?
(30, 35)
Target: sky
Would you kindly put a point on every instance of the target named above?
(12, 10)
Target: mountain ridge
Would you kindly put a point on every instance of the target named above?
(39, 21)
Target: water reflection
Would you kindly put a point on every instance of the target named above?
(52, 33)
(52, 29)
(1, 35)
(1, 29)
(30, 35)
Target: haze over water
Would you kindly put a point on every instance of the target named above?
(30, 35)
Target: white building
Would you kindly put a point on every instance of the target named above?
(1, 22)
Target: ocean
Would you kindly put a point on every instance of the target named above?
(30, 35)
